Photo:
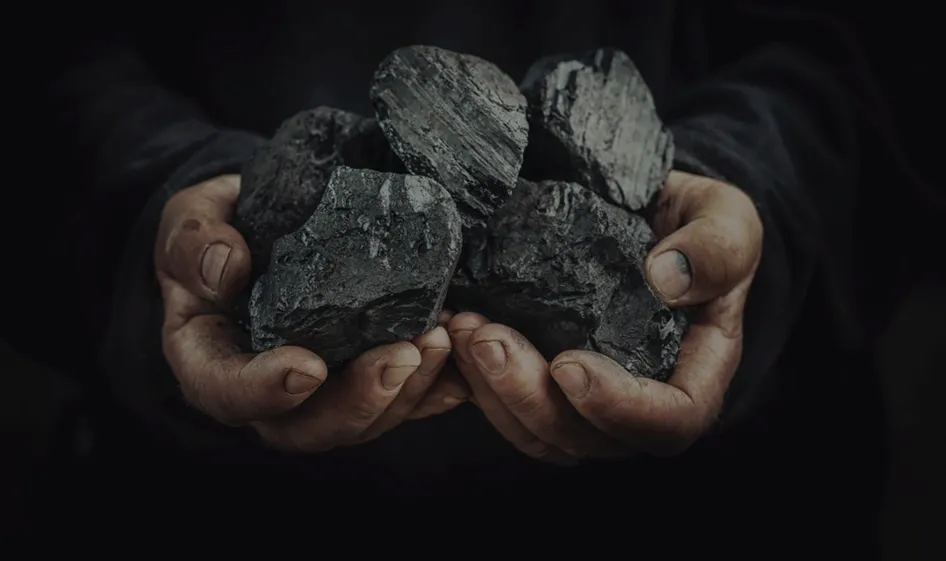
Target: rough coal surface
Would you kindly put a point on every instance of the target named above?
(593, 121)
(369, 267)
(564, 267)
(283, 182)
(457, 119)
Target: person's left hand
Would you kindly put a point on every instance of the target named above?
(584, 404)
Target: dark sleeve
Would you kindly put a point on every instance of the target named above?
(130, 132)
(136, 142)
(125, 133)
(780, 126)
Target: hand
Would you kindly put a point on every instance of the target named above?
(201, 263)
(584, 404)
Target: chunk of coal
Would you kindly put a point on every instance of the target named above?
(564, 267)
(593, 121)
(283, 182)
(369, 267)
(457, 119)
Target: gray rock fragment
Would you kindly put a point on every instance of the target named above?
(593, 121)
(283, 182)
(564, 267)
(457, 119)
(369, 267)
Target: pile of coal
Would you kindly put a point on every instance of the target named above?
(360, 228)
(347, 259)
(456, 119)
(593, 121)
(562, 261)
(563, 266)
(370, 266)
(284, 180)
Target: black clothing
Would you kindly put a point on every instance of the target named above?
(773, 104)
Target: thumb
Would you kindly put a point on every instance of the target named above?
(195, 244)
(705, 258)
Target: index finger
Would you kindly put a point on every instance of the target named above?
(203, 350)
(661, 418)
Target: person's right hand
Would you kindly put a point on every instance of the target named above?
(201, 263)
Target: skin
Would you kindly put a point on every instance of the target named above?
(581, 405)
(584, 405)
(286, 394)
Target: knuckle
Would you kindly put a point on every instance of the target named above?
(374, 359)
(528, 403)
(361, 414)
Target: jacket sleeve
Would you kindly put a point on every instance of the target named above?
(129, 133)
(779, 125)
(135, 143)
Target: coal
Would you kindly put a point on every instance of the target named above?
(283, 182)
(564, 267)
(355, 258)
(593, 121)
(457, 119)
(371, 266)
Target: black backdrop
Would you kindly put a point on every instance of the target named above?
(57, 287)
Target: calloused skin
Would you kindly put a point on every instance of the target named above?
(286, 394)
(580, 405)
(583, 404)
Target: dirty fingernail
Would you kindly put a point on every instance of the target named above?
(297, 383)
(394, 377)
(572, 378)
(213, 263)
(490, 356)
(670, 274)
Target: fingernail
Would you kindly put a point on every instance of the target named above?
(490, 356)
(394, 377)
(572, 378)
(670, 274)
(297, 383)
(213, 263)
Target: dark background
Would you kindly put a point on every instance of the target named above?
(64, 441)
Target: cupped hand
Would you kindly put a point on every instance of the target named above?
(286, 394)
(584, 404)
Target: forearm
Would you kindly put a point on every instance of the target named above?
(780, 127)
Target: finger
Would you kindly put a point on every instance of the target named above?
(449, 391)
(713, 240)
(434, 349)
(444, 317)
(519, 376)
(197, 248)
(217, 377)
(461, 329)
(349, 404)
(660, 418)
